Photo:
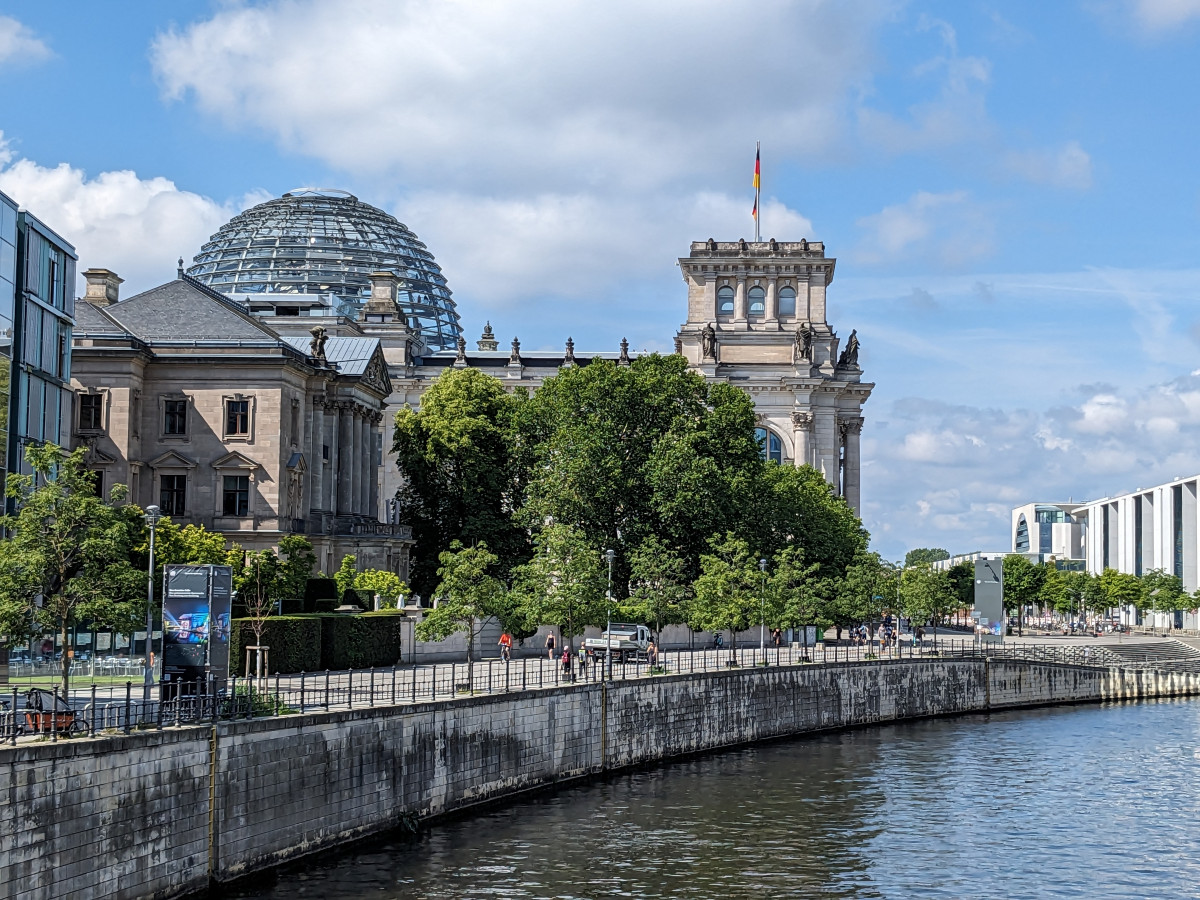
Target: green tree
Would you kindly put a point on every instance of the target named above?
(1161, 592)
(727, 593)
(794, 589)
(962, 583)
(659, 589)
(926, 595)
(387, 585)
(1022, 582)
(346, 575)
(258, 581)
(69, 547)
(297, 565)
(925, 555)
(1120, 589)
(468, 594)
(1057, 590)
(564, 584)
(460, 482)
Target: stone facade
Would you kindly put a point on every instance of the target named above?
(203, 410)
(757, 318)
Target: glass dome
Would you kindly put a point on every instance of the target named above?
(324, 244)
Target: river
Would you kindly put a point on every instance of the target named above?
(1069, 802)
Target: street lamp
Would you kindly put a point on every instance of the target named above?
(152, 518)
(762, 607)
(610, 555)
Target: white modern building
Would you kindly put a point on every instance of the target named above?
(1044, 530)
(1150, 528)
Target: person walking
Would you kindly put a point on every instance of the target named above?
(651, 654)
(550, 646)
(566, 661)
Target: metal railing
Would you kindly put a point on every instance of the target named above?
(111, 709)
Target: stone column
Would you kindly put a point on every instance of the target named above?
(802, 423)
(851, 428)
(739, 301)
(366, 452)
(373, 470)
(345, 459)
(825, 437)
(354, 459)
(316, 465)
(772, 300)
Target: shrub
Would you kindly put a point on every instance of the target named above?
(357, 642)
(292, 606)
(295, 643)
(326, 606)
(318, 589)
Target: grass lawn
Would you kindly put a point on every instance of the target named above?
(77, 681)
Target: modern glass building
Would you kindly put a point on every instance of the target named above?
(311, 252)
(37, 308)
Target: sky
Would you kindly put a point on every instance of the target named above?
(1010, 190)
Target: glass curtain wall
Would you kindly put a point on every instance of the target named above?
(43, 317)
(8, 302)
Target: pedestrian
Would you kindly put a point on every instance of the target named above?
(583, 660)
(506, 646)
(566, 661)
(652, 654)
(550, 646)
(776, 638)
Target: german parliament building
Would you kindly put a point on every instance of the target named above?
(254, 393)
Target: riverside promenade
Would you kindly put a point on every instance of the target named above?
(167, 811)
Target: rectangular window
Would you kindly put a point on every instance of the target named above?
(172, 495)
(174, 417)
(237, 417)
(1177, 525)
(1137, 535)
(236, 495)
(98, 482)
(89, 412)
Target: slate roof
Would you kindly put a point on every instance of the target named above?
(89, 320)
(185, 310)
(351, 354)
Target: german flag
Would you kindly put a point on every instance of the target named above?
(757, 183)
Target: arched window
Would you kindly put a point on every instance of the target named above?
(725, 300)
(787, 300)
(758, 300)
(770, 446)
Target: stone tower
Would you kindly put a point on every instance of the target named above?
(756, 318)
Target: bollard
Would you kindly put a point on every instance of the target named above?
(128, 692)
(301, 690)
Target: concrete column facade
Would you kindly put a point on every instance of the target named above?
(802, 423)
(345, 460)
(851, 429)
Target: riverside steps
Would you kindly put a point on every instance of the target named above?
(177, 811)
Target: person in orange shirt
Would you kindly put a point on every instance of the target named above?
(506, 646)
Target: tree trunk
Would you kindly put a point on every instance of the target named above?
(66, 659)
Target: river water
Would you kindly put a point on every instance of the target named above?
(1070, 802)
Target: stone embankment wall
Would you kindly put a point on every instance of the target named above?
(164, 814)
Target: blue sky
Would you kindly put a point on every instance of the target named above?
(1010, 190)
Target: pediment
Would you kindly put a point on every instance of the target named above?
(172, 460)
(376, 374)
(235, 460)
(97, 457)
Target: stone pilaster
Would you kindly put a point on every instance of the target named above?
(772, 300)
(827, 443)
(739, 301)
(345, 459)
(316, 464)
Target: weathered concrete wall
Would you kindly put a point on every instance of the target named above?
(130, 816)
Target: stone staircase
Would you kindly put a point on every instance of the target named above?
(1166, 653)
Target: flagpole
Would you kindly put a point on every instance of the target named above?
(757, 192)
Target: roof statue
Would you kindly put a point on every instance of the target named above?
(804, 338)
(487, 340)
(623, 359)
(569, 354)
(708, 342)
(317, 344)
(514, 358)
(849, 357)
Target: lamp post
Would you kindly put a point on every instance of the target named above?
(152, 517)
(609, 555)
(762, 610)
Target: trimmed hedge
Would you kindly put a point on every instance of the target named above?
(357, 642)
(311, 643)
(295, 643)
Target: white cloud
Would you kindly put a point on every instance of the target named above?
(1069, 166)
(20, 45)
(528, 94)
(138, 227)
(1163, 15)
(947, 228)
